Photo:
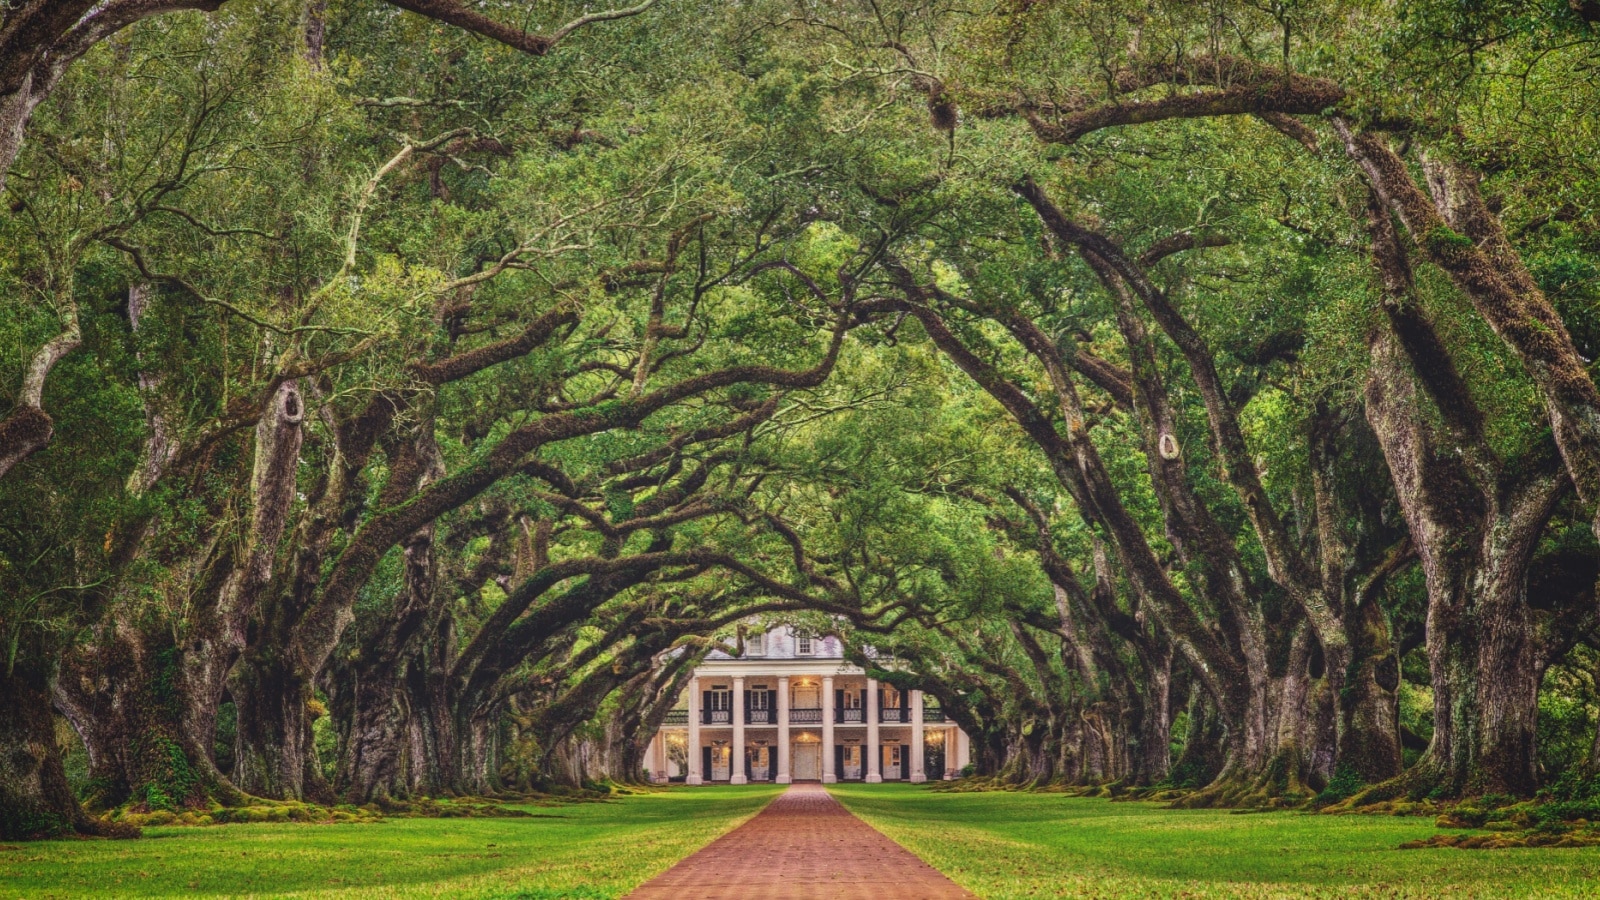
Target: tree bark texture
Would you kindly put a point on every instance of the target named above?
(35, 799)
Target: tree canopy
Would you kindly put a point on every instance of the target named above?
(1196, 399)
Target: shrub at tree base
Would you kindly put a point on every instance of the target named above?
(312, 814)
(1546, 822)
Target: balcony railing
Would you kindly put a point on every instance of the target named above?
(843, 716)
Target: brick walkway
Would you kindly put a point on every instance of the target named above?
(803, 845)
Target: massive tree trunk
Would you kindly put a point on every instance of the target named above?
(1365, 682)
(274, 754)
(474, 771)
(144, 686)
(1301, 763)
(1362, 664)
(1484, 650)
(1476, 521)
(367, 699)
(372, 750)
(430, 728)
(35, 799)
(1152, 721)
(1486, 676)
(146, 721)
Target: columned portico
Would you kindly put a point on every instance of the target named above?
(874, 749)
(655, 760)
(737, 775)
(793, 709)
(695, 776)
(784, 776)
(829, 776)
(917, 751)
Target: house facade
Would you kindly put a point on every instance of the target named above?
(791, 709)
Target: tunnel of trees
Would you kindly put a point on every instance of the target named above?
(400, 398)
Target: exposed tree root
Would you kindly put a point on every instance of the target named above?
(1280, 785)
(1422, 782)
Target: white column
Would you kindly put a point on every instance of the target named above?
(916, 738)
(963, 750)
(874, 750)
(829, 776)
(784, 776)
(736, 769)
(661, 757)
(695, 776)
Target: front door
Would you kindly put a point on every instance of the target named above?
(852, 762)
(891, 762)
(760, 768)
(720, 756)
(807, 761)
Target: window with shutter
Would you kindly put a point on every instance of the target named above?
(719, 706)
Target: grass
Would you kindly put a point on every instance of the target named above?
(1006, 845)
(582, 850)
(998, 845)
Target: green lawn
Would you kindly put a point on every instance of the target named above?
(582, 850)
(1001, 845)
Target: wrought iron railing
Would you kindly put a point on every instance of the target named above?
(805, 716)
(717, 716)
(676, 717)
(850, 716)
(894, 714)
(760, 717)
(932, 714)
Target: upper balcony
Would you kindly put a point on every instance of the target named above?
(801, 715)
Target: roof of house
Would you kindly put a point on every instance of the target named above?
(784, 643)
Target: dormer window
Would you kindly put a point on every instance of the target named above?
(756, 645)
(804, 646)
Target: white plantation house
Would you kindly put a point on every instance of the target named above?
(791, 709)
